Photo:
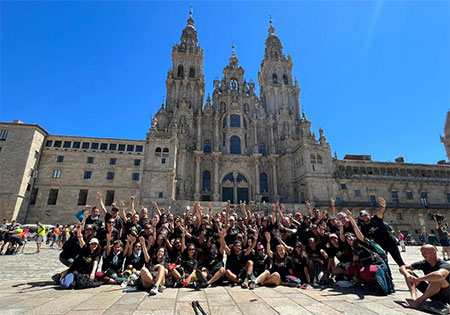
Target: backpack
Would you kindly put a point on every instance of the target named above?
(292, 281)
(377, 248)
(68, 282)
(82, 281)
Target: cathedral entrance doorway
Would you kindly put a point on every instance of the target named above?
(235, 188)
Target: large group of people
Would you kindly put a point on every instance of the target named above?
(238, 246)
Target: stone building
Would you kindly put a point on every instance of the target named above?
(235, 145)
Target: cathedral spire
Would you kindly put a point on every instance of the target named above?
(189, 36)
(271, 28)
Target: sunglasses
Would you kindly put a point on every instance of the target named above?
(137, 246)
(191, 249)
(112, 222)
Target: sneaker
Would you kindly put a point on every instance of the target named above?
(251, 284)
(245, 283)
(202, 281)
(154, 290)
(56, 278)
(161, 288)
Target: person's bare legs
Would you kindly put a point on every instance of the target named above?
(231, 276)
(411, 285)
(147, 279)
(161, 275)
(433, 288)
(249, 267)
(218, 275)
(274, 278)
(262, 277)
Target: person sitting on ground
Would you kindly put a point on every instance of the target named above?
(300, 261)
(213, 269)
(156, 274)
(137, 255)
(112, 261)
(435, 284)
(238, 268)
(282, 265)
(185, 273)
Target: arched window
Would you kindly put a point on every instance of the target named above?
(165, 152)
(263, 187)
(262, 148)
(285, 79)
(274, 78)
(206, 183)
(235, 145)
(158, 152)
(319, 159)
(241, 178)
(192, 72)
(228, 177)
(180, 72)
(313, 159)
(235, 121)
(207, 146)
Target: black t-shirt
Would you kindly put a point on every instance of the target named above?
(338, 252)
(137, 261)
(232, 233)
(314, 253)
(426, 267)
(189, 265)
(214, 262)
(130, 226)
(71, 248)
(84, 261)
(96, 223)
(174, 255)
(113, 262)
(236, 262)
(299, 267)
(377, 231)
(442, 234)
(101, 236)
(260, 263)
(282, 266)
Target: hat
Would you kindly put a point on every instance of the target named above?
(363, 212)
(298, 214)
(232, 219)
(332, 235)
(88, 227)
(93, 240)
(332, 217)
(260, 246)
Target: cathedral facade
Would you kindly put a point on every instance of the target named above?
(231, 145)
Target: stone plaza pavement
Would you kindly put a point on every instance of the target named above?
(26, 288)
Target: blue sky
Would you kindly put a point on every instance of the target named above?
(374, 74)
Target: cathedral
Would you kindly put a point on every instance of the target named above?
(231, 145)
(242, 147)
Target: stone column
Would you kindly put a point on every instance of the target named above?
(216, 135)
(197, 194)
(256, 137)
(235, 195)
(257, 188)
(273, 160)
(216, 194)
(272, 139)
(199, 133)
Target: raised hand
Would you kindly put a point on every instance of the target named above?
(267, 234)
(109, 236)
(122, 203)
(99, 195)
(348, 213)
(132, 198)
(142, 241)
(382, 202)
(333, 202)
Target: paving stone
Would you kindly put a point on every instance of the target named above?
(224, 310)
(168, 293)
(156, 304)
(188, 295)
(267, 292)
(60, 305)
(122, 309)
(348, 308)
(220, 299)
(185, 308)
(256, 308)
(86, 312)
(154, 312)
(274, 302)
(101, 301)
(301, 299)
(291, 310)
(132, 297)
(321, 309)
(244, 296)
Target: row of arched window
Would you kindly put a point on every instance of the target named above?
(275, 79)
(164, 152)
(235, 121)
(180, 72)
(206, 181)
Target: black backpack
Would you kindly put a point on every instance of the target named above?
(82, 281)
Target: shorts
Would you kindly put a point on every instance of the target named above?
(445, 243)
(442, 296)
(39, 239)
(15, 239)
